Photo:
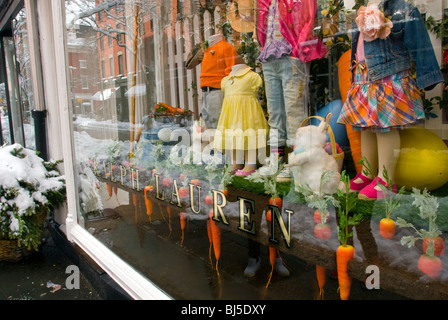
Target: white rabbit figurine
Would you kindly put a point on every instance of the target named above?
(310, 160)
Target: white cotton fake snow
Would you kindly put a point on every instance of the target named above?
(29, 168)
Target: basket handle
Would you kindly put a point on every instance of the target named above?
(329, 131)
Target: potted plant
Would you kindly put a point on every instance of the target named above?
(433, 246)
(29, 188)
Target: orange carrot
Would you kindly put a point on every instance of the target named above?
(268, 216)
(183, 222)
(216, 239)
(109, 190)
(343, 255)
(318, 218)
(322, 231)
(210, 240)
(321, 275)
(430, 265)
(168, 209)
(275, 201)
(116, 194)
(272, 257)
(163, 107)
(148, 204)
(387, 228)
(439, 245)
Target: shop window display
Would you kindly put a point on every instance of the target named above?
(159, 184)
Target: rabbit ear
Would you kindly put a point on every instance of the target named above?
(326, 123)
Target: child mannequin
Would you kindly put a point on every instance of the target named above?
(242, 125)
(219, 57)
(384, 97)
(285, 33)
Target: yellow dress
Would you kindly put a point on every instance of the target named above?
(242, 124)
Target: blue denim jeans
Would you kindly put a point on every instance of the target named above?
(287, 94)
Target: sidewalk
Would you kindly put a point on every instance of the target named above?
(43, 277)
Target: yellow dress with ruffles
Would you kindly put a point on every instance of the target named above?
(242, 124)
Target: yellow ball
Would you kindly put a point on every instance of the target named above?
(423, 160)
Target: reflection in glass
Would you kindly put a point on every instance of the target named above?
(147, 193)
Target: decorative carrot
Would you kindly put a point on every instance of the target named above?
(134, 199)
(148, 203)
(321, 275)
(163, 107)
(116, 194)
(268, 216)
(275, 201)
(168, 209)
(318, 217)
(109, 190)
(272, 257)
(210, 240)
(216, 236)
(215, 231)
(183, 223)
(345, 252)
(439, 245)
(322, 231)
(391, 201)
(387, 228)
(429, 263)
(343, 255)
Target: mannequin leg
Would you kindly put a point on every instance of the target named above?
(388, 149)
(388, 146)
(236, 162)
(369, 150)
(250, 160)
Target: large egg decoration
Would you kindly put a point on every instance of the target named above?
(423, 160)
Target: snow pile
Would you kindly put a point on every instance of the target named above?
(27, 184)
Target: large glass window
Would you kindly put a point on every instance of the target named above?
(18, 102)
(190, 169)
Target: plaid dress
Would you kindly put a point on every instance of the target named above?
(393, 102)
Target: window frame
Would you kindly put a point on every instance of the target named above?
(137, 286)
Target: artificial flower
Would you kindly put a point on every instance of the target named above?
(372, 23)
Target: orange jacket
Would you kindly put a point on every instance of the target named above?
(217, 63)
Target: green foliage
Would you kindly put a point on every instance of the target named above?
(319, 200)
(269, 181)
(347, 203)
(428, 206)
(438, 27)
(23, 208)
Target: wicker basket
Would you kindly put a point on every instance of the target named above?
(339, 157)
(10, 251)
